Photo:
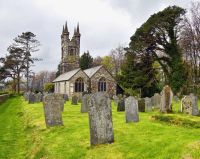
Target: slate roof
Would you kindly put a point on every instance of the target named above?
(66, 76)
(91, 71)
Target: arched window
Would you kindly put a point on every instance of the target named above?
(71, 52)
(79, 85)
(102, 85)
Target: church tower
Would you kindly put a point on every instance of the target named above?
(70, 50)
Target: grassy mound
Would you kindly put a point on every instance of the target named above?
(23, 134)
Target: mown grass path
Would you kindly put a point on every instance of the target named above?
(12, 136)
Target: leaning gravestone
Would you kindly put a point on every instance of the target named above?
(148, 104)
(32, 98)
(52, 109)
(189, 105)
(100, 119)
(131, 109)
(85, 103)
(74, 100)
(26, 96)
(166, 100)
(156, 100)
(121, 105)
(141, 105)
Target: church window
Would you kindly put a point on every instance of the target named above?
(79, 85)
(102, 85)
(71, 52)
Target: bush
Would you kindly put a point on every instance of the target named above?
(49, 87)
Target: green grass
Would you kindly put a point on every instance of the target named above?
(23, 134)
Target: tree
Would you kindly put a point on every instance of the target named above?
(49, 87)
(190, 42)
(107, 63)
(86, 60)
(159, 37)
(14, 65)
(139, 74)
(117, 56)
(97, 61)
(28, 43)
(58, 71)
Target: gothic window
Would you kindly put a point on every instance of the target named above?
(79, 85)
(102, 85)
(71, 52)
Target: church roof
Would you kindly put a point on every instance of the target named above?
(91, 71)
(66, 76)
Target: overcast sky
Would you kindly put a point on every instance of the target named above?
(104, 24)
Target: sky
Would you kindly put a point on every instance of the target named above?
(104, 24)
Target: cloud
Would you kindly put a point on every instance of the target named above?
(103, 23)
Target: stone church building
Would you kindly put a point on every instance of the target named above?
(75, 81)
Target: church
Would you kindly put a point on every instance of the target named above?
(73, 80)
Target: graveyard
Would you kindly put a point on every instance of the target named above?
(23, 134)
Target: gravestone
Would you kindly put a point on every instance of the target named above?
(52, 109)
(148, 104)
(156, 99)
(166, 100)
(116, 100)
(176, 99)
(26, 96)
(31, 98)
(100, 119)
(131, 109)
(38, 97)
(141, 105)
(65, 97)
(121, 105)
(74, 100)
(189, 105)
(85, 103)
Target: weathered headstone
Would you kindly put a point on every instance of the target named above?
(65, 97)
(156, 99)
(100, 119)
(131, 109)
(141, 105)
(74, 100)
(148, 104)
(189, 105)
(85, 103)
(31, 98)
(26, 96)
(121, 105)
(166, 100)
(52, 109)
(38, 97)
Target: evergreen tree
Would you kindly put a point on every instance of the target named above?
(86, 60)
(159, 37)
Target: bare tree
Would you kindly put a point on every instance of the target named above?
(190, 42)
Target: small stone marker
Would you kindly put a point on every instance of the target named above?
(189, 105)
(52, 109)
(148, 104)
(66, 98)
(166, 100)
(26, 96)
(38, 97)
(74, 100)
(121, 105)
(85, 103)
(131, 108)
(141, 105)
(156, 99)
(32, 98)
(100, 119)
